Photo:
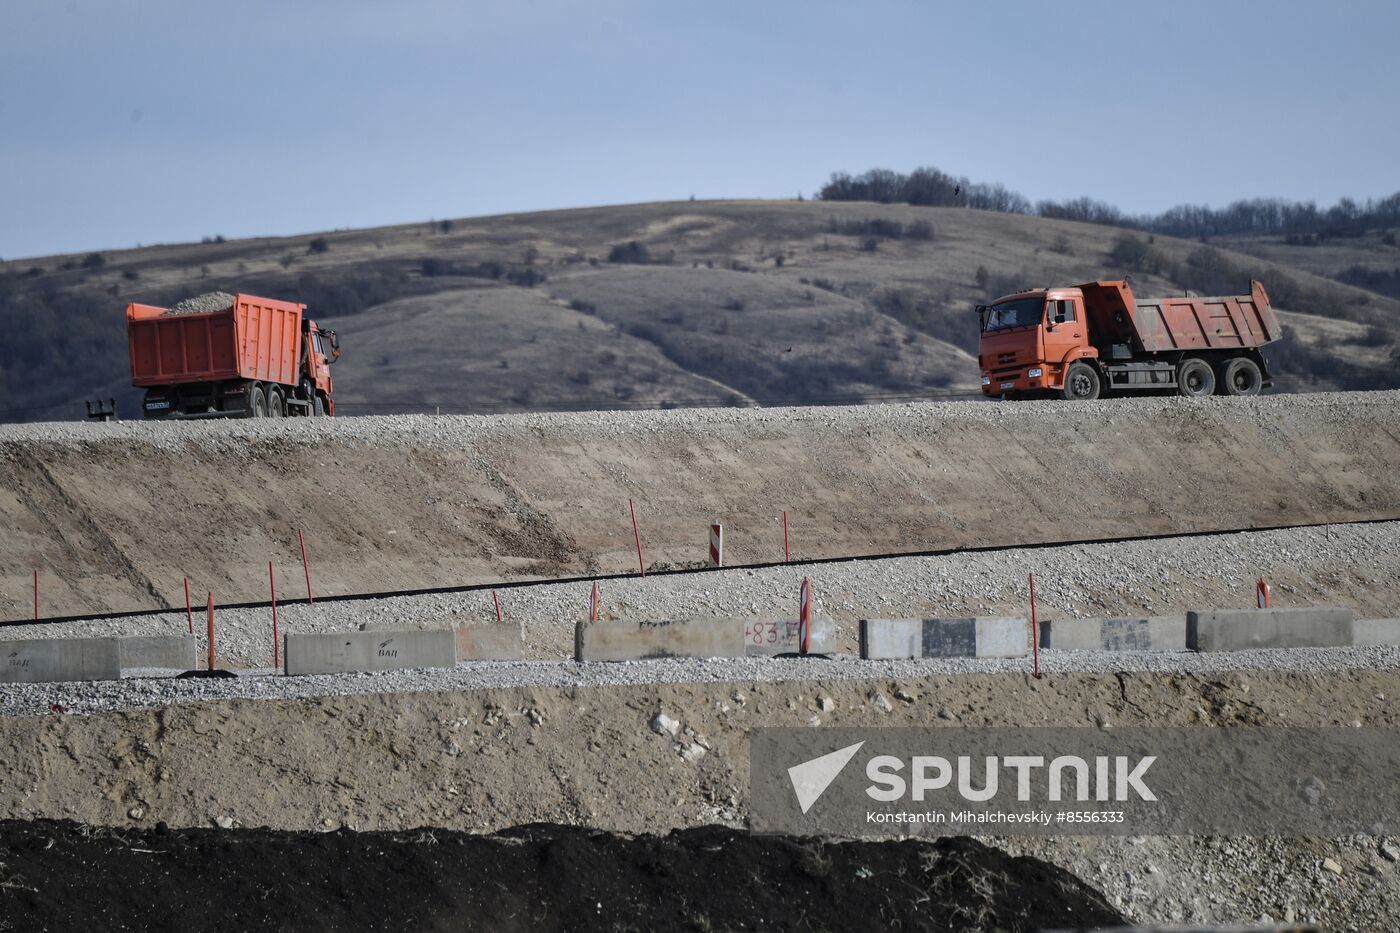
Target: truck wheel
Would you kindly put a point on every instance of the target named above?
(1081, 383)
(1195, 378)
(1242, 377)
(318, 408)
(276, 407)
(257, 401)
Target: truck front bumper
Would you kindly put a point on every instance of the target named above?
(1032, 379)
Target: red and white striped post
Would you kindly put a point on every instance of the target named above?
(641, 566)
(593, 604)
(189, 612)
(804, 614)
(785, 537)
(306, 566)
(716, 545)
(1035, 630)
(1261, 594)
(272, 588)
(497, 600)
(211, 631)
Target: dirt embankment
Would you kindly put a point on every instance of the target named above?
(114, 515)
(492, 758)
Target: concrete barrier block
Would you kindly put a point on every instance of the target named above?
(44, 660)
(489, 641)
(1376, 632)
(1000, 637)
(476, 641)
(341, 652)
(1241, 629)
(891, 638)
(1145, 633)
(168, 652)
(624, 640)
(979, 637)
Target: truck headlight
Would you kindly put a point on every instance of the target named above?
(1035, 373)
(986, 380)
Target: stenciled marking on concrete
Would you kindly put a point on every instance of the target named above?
(342, 652)
(624, 640)
(45, 660)
(1144, 633)
(976, 637)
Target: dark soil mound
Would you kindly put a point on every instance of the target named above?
(58, 876)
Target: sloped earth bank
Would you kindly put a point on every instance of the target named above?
(62, 876)
(489, 759)
(115, 515)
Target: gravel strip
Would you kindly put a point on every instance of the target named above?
(265, 684)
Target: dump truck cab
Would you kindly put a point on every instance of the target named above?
(1084, 340)
(322, 348)
(1030, 338)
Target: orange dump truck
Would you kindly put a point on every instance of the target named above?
(237, 356)
(1095, 338)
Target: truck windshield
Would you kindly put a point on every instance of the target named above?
(1016, 313)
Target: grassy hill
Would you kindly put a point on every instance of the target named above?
(657, 305)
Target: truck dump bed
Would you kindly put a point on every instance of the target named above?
(1229, 322)
(255, 338)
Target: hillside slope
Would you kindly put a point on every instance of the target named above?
(706, 303)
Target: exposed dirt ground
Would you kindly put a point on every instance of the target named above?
(56, 877)
(114, 515)
(482, 760)
(490, 759)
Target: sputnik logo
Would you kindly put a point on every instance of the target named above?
(811, 778)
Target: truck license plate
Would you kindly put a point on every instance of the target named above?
(156, 406)
(1008, 385)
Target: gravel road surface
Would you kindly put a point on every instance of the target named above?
(463, 430)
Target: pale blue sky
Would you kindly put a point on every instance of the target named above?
(141, 121)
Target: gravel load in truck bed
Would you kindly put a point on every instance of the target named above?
(202, 304)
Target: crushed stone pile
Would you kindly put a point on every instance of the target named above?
(202, 304)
